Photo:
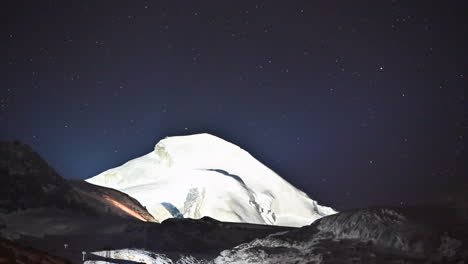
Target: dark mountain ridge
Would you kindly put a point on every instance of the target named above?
(35, 200)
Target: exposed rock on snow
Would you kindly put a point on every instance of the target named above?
(378, 235)
(203, 175)
(385, 227)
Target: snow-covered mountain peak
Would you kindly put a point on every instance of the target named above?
(199, 151)
(195, 141)
(203, 175)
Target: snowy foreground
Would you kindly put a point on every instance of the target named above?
(203, 175)
(140, 256)
(379, 236)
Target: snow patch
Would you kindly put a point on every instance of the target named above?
(143, 256)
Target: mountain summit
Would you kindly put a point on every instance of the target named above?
(203, 175)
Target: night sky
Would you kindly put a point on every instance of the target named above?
(356, 103)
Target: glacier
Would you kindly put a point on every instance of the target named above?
(201, 175)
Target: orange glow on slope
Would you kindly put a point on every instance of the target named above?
(125, 208)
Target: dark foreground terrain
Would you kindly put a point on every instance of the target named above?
(47, 219)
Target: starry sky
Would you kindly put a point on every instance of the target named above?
(357, 103)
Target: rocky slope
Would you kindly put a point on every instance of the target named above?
(427, 234)
(35, 200)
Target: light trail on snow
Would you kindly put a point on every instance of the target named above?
(125, 208)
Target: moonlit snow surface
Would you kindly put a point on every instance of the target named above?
(203, 175)
(136, 255)
(143, 256)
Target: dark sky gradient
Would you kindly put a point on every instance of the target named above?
(356, 103)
